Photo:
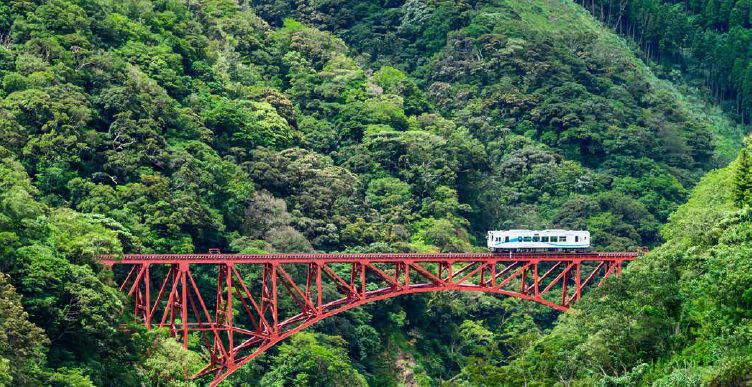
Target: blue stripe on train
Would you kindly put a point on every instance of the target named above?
(550, 244)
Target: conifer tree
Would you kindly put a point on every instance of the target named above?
(743, 180)
(712, 13)
(740, 14)
(747, 85)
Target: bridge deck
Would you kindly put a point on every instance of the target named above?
(309, 258)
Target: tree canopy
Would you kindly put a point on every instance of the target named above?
(170, 126)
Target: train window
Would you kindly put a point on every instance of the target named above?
(536, 238)
(527, 239)
(554, 239)
(506, 239)
(576, 238)
(562, 239)
(544, 239)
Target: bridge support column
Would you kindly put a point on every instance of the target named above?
(269, 295)
(228, 315)
(564, 283)
(407, 276)
(147, 309)
(141, 297)
(577, 283)
(363, 280)
(318, 288)
(184, 302)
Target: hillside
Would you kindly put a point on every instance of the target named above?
(549, 72)
(174, 126)
(679, 316)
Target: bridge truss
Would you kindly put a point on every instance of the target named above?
(239, 317)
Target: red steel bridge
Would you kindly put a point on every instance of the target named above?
(238, 317)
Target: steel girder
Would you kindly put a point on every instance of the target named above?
(244, 319)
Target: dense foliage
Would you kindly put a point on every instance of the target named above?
(708, 40)
(511, 71)
(178, 126)
(678, 317)
(704, 41)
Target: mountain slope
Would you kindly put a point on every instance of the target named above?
(549, 72)
(171, 126)
(678, 316)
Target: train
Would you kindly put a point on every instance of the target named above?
(538, 241)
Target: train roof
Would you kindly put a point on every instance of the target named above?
(548, 230)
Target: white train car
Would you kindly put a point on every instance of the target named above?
(538, 240)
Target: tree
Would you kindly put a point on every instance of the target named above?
(742, 183)
(170, 365)
(264, 214)
(287, 240)
(442, 234)
(22, 344)
(367, 341)
(747, 86)
(314, 361)
(247, 124)
(740, 14)
(444, 203)
(70, 377)
(387, 192)
(475, 337)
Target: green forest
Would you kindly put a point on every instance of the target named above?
(365, 126)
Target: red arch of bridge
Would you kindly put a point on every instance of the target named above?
(553, 279)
